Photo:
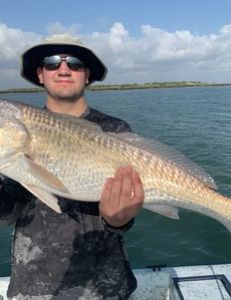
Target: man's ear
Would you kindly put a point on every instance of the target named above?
(87, 74)
(40, 74)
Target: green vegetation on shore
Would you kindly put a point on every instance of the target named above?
(149, 85)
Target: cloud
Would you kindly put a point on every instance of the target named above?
(156, 55)
(159, 55)
(13, 42)
(58, 28)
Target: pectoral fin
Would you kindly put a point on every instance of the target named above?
(20, 160)
(167, 211)
(45, 197)
(45, 176)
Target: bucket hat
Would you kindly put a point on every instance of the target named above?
(57, 44)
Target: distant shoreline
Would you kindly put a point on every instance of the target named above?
(105, 87)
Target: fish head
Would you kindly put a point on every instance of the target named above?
(13, 133)
(9, 109)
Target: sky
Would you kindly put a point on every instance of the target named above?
(140, 41)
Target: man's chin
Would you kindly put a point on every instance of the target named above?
(66, 96)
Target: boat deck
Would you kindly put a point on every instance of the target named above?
(178, 283)
(208, 282)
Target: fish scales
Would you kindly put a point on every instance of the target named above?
(66, 156)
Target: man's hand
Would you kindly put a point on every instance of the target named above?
(122, 197)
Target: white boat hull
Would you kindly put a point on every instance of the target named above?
(204, 282)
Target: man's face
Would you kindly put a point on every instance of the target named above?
(64, 82)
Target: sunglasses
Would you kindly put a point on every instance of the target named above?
(53, 62)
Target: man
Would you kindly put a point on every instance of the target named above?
(79, 253)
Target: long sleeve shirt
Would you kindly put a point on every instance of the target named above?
(71, 255)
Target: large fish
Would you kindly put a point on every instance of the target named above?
(52, 154)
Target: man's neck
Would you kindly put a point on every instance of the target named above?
(76, 108)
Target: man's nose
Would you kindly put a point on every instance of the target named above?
(63, 68)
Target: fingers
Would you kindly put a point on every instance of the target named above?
(138, 190)
(122, 195)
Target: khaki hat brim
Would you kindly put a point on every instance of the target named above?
(32, 58)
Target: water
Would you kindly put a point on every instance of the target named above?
(196, 121)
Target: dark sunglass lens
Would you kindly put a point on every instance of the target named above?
(51, 67)
(75, 67)
(52, 62)
(74, 63)
(54, 59)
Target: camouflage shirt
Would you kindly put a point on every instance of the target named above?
(72, 255)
